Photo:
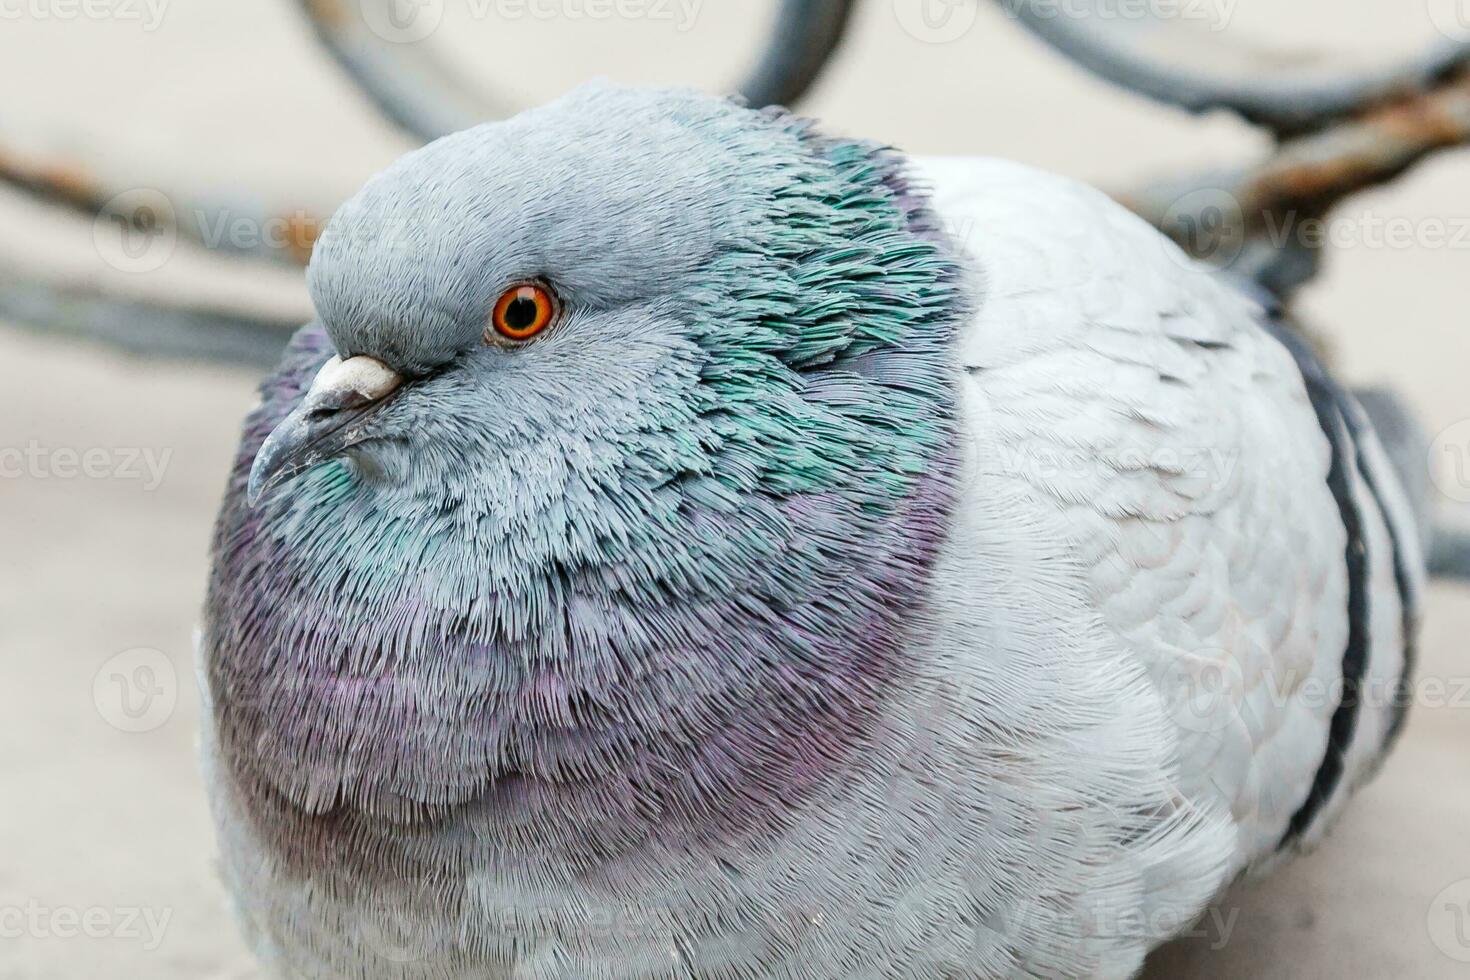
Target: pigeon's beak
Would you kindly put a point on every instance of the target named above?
(329, 419)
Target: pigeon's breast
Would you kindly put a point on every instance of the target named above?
(366, 711)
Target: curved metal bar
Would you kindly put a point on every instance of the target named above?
(1449, 556)
(1237, 219)
(419, 93)
(807, 34)
(404, 78)
(144, 326)
(237, 228)
(1181, 61)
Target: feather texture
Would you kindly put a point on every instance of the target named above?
(923, 570)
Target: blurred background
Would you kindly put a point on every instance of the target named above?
(166, 164)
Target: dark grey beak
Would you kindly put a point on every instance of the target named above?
(329, 419)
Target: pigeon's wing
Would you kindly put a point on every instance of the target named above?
(1225, 510)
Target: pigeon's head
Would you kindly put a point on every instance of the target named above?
(637, 401)
(625, 283)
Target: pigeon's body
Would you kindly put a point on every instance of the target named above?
(853, 583)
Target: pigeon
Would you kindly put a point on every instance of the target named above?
(686, 544)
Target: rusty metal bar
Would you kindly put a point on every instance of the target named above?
(1325, 167)
(239, 228)
(1185, 61)
(1236, 219)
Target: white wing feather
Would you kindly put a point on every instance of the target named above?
(1143, 418)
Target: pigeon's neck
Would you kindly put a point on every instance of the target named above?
(680, 721)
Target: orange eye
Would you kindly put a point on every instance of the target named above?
(522, 312)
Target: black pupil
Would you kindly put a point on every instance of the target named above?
(521, 314)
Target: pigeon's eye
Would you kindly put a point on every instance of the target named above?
(522, 312)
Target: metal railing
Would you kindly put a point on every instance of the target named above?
(1336, 129)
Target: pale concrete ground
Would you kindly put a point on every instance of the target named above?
(96, 822)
